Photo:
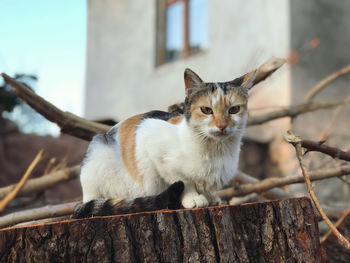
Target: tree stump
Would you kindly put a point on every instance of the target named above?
(277, 231)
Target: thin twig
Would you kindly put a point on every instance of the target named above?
(11, 195)
(323, 134)
(323, 83)
(299, 152)
(61, 165)
(337, 224)
(344, 181)
(49, 165)
(334, 212)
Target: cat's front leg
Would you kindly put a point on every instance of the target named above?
(214, 199)
(191, 198)
(210, 192)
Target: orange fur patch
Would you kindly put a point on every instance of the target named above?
(126, 135)
(176, 120)
(195, 108)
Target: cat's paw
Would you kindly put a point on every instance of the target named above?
(215, 201)
(191, 200)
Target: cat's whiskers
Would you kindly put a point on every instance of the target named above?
(202, 136)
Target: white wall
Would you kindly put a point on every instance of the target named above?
(121, 79)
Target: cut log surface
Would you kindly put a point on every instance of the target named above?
(277, 231)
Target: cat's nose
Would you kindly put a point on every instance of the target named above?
(221, 126)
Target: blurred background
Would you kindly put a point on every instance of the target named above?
(110, 59)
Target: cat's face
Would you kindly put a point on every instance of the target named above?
(216, 110)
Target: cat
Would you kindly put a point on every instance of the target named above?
(144, 154)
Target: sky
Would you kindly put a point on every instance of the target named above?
(198, 25)
(48, 39)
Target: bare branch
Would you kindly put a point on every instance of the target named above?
(323, 148)
(299, 152)
(269, 183)
(68, 122)
(48, 211)
(293, 111)
(242, 179)
(11, 195)
(323, 83)
(42, 183)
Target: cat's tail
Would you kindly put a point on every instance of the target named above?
(170, 198)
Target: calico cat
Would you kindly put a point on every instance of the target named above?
(144, 154)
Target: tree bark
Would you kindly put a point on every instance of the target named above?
(277, 231)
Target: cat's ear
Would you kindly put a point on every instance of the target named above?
(192, 80)
(247, 81)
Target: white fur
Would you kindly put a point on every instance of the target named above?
(165, 153)
(216, 99)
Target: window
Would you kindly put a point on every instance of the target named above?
(181, 29)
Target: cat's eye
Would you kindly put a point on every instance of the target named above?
(234, 109)
(206, 110)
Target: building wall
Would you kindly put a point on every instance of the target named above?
(329, 22)
(121, 79)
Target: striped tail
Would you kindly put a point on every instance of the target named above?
(170, 198)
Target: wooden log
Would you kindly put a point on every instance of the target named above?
(275, 231)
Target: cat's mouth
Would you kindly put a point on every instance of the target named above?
(220, 134)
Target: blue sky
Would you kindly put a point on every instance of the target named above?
(46, 38)
(198, 25)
